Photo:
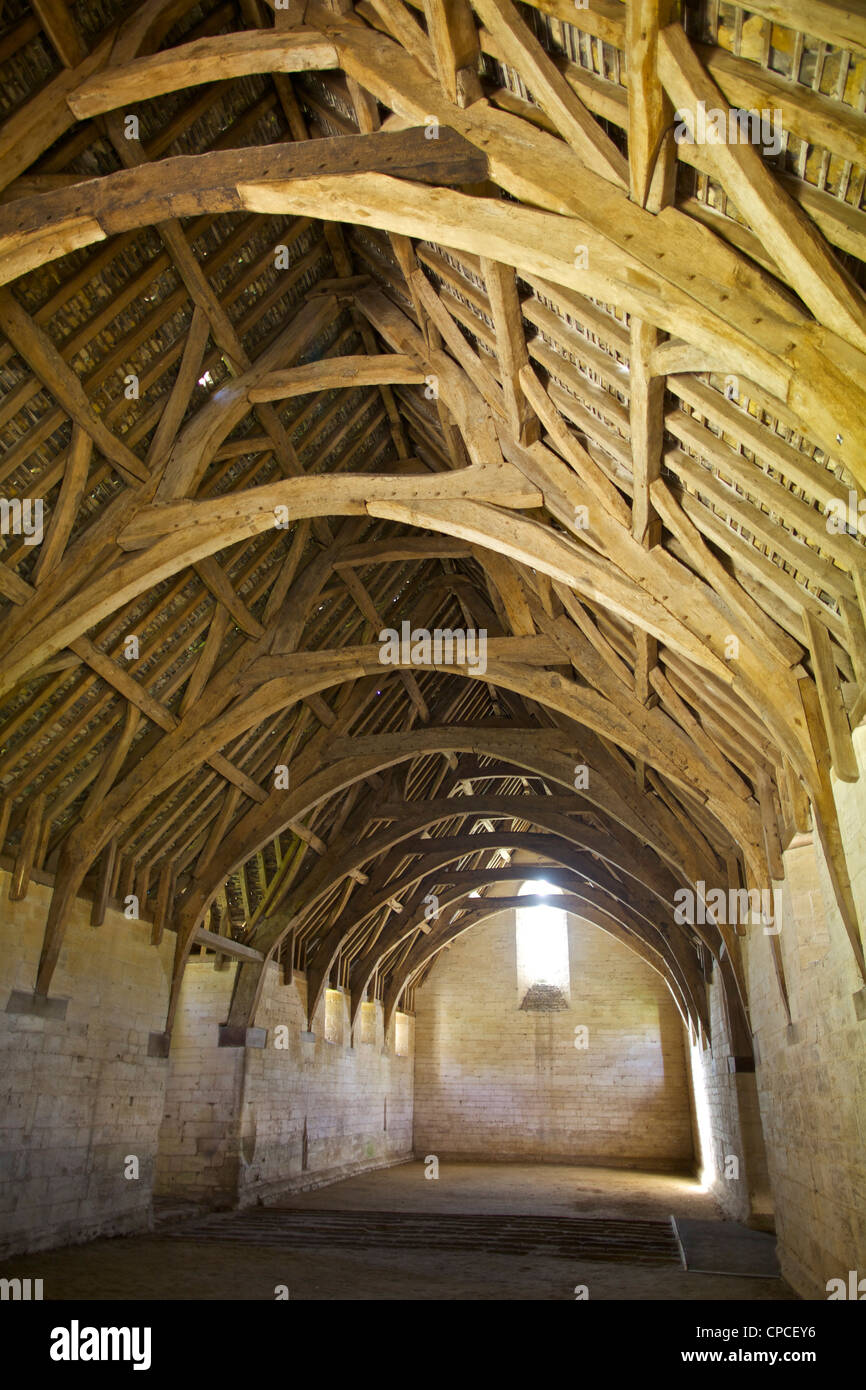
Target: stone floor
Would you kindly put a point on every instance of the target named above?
(172, 1265)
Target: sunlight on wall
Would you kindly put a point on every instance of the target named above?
(333, 1016)
(401, 1035)
(702, 1113)
(369, 1021)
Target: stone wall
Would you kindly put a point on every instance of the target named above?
(243, 1123)
(495, 1082)
(79, 1095)
(810, 1074)
(728, 1124)
(811, 1079)
(198, 1153)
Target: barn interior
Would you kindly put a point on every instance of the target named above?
(432, 646)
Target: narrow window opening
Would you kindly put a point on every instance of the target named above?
(543, 979)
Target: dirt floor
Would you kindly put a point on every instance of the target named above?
(240, 1255)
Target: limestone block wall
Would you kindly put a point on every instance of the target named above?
(728, 1122)
(354, 1103)
(812, 1077)
(79, 1094)
(198, 1152)
(494, 1082)
(242, 1123)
